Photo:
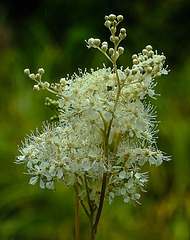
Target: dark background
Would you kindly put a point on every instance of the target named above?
(51, 34)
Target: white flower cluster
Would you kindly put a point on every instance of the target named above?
(105, 129)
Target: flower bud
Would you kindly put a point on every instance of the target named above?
(27, 71)
(104, 48)
(120, 18)
(32, 76)
(97, 42)
(134, 71)
(116, 40)
(144, 88)
(145, 63)
(122, 30)
(120, 50)
(130, 79)
(145, 51)
(111, 51)
(115, 56)
(150, 53)
(112, 38)
(113, 30)
(149, 69)
(157, 69)
(139, 85)
(91, 42)
(46, 85)
(63, 82)
(134, 56)
(107, 24)
(36, 88)
(121, 36)
(135, 61)
(157, 75)
(148, 47)
(127, 71)
(41, 71)
(124, 35)
(114, 23)
(106, 18)
(112, 17)
(105, 43)
(38, 77)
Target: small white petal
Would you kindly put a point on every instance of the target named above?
(137, 175)
(50, 185)
(122, 174)
(126, 200)
(123, 191)
(87, 166)
(137, 195)
(42, 185)
(33, 180)
(60, 173)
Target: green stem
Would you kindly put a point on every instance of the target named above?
(92, 229)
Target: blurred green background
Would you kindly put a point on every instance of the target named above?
(51, 34)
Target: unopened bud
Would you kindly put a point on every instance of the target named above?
(32, 76)
(134, 56)
(145, 51)
(113, 30)
(150, 53)
(41, 71)
(106, 18)
(127, 71)
(105, 43)
(104, 48)
(112, 38)
(63, 82)
(122, 36)
(120, 18)
(111, 51)
(36, 88)
(115, 56)
(122, 30)
(135, 61)
(134, 71)
(27, 71)
(97, 42)
(46, 85)
(91, 42)
(107, 23)
(116, 40)
(149, 69)
(148, 47)
(38, 76)
(112, 17)
(120, 50)
(145, 63)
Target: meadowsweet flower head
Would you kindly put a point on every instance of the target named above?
(106, 129)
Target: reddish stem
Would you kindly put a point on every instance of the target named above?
(77, 215)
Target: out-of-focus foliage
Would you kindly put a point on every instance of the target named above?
(51, 34)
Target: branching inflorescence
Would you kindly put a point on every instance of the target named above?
(106, 130)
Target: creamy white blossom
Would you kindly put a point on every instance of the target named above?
(105, 130)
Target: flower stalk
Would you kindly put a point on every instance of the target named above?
(76, 215)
